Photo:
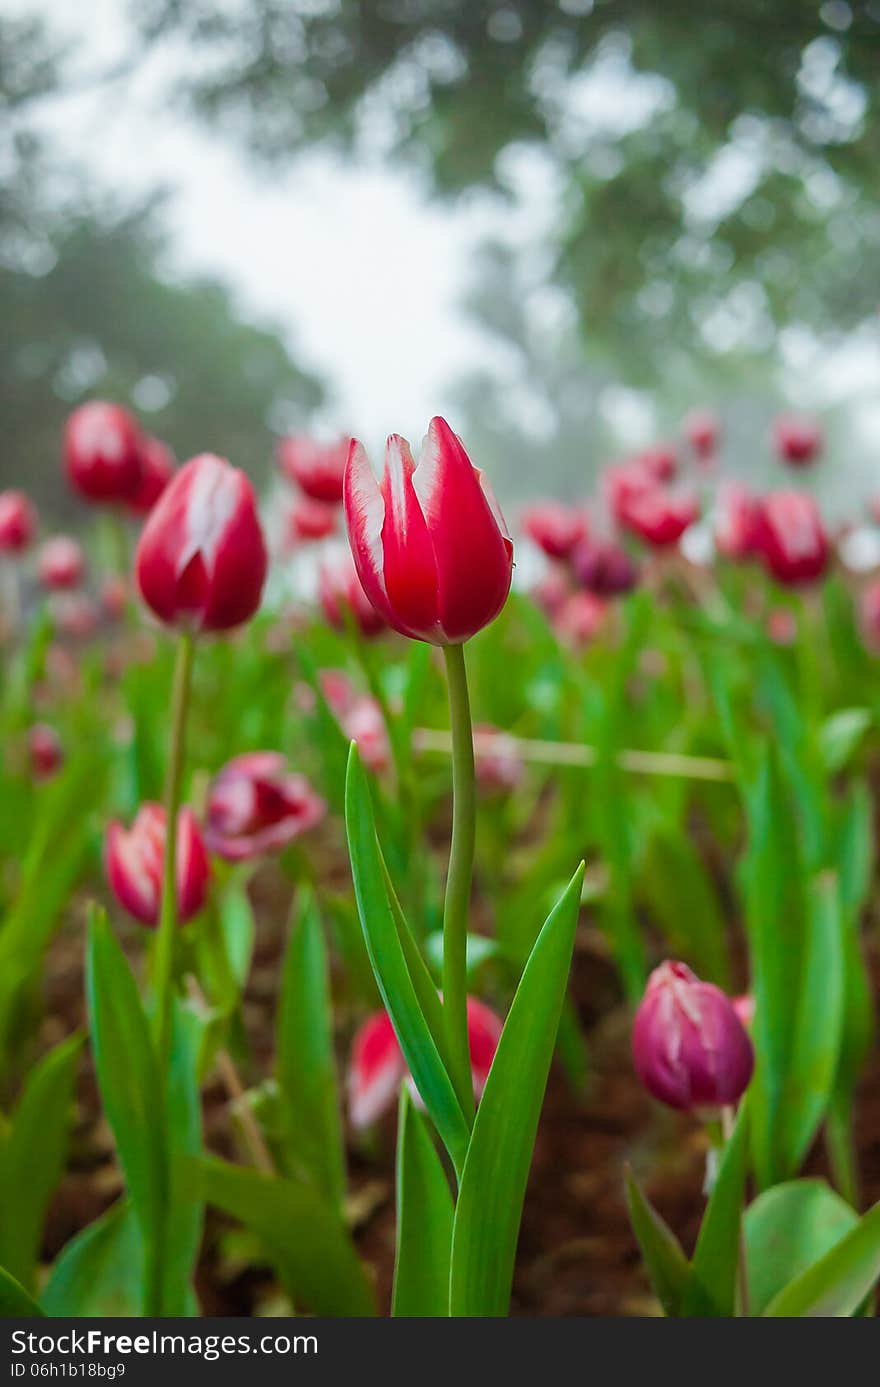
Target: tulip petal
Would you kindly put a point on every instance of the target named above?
(409, 568)
(365, 515)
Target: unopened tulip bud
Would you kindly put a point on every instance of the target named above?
(317, 468)
(660, 462)
(702, 431)
(429, 543)
(18, 522)
(310, 520)
(61, 563)
(798, 441)
(659, 516)
(791, 538)
(555, 528)
(737, 522)
(102, 451)
(690, 1048)
(201, 559)
(134, 861)
(45, 751)
(256, 805)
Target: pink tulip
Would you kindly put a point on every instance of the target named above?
(133, 859)
(102, 451)
(869, 611)
(430, 545)
(702, 431)
(61, 563)
(201, 558)
(737, 523)
(555, 528)
(797, 440)
(18, 522)
(580, 618)
(660, 462)
(256, 806)
(317, 468)
(342, 598)
(690, 1048)
(377, 1068)
(551, 592)
(359, 717)
(75, 615)
(791, 539)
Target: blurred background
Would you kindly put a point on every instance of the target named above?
(562, 223)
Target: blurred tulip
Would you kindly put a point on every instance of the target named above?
(18, 522)
(551, 592)
(659, 462)
(555, 528)
(869, 611)
(791, 538)
(621, 484)
(659, 516)
(702, 431)
(797, 440)
(75, 615)
(157, 469)
(497, 759)
(342, 597)
(133, 860)
(737, 521)
(430, 545)
(45, 752)
(102, 451)
(377, 1068)
(114, 596)
(256, 805)
(781, 626)
(61, 563)
(311, 520)
(359, 717)
(690, 1048)
(317, 468)
(201, 558)
(580, 618)
(604, 568)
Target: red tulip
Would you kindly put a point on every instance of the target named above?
(360, 718)
(45, 751)
(377, 1067)
(157, 469)
(797, 440)
(702, 431)
(869, 606)
(342, 597)
(622, 484)
(497, 759)
(18, 522)
(311, 520)
(659, 516)
(61, 563)
(690, 1048)
(660, 462)
(791, 538)
(555, 528)
(317, 468)
(133, 859)
(201, 558)
(737, 522)
(256, 805)
(102, 451)
(430, 546)
(604, 568)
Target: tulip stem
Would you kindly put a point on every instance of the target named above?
(165, 940)
(456, 906)
(728, 1122)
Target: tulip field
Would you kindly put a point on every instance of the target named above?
(420, 906)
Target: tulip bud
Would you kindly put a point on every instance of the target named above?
(690, 1048)
(102, 451)
(134, 857)
(201, 559)
(702, 431)
(791, 538)
(555, 528)
(18, 522)
(157, 469)
(317, 468)
(658, 516)
(604, 568)
(311, 520)
(256, 805)
(659, 462)
(377, 1067)
(737, 522)
(343, 599)
(61, 563)
(430, 545)
(797, 440)
(44, 751)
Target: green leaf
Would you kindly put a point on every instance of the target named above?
(32, 1158)
(424, 1221)
(128, 1078)
(185, 1215)
(840, 735)
(712, 1284)
(306, 1067)
(15, 1303)
(303, 1237)
(417, 1041)
(237, 927)
(836, 1285)
(100, 1272)
(787, 1230)
(666, 1264)
(493, 1182)
(681, 896)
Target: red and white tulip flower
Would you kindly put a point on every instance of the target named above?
(257, 805)
(102, 451)
(134, 856)
(429, 542)
(791, 539)
(702, 431)
(61, 563)
(798, 441)
(317, 468)
(554, 527)
(157, 469)
(201, 559)
(18, 522)
(342, 598)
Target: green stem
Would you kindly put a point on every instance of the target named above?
(165, 939)
(728, 1122)
(458, 881)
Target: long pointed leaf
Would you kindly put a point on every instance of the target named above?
(836, 1285)
(424, 1221)
(665, 1263)
(712, 1285)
